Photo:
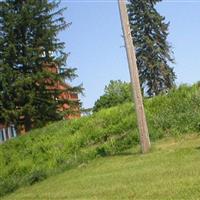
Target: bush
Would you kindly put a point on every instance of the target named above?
(37, 176)
(60, 146)
(8, 184)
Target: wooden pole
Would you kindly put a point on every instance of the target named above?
(130, 51)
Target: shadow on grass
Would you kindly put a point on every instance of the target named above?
(126, 153)
(198, 148)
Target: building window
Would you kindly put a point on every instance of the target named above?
(13, 131)
(7, 133)
(1, 135)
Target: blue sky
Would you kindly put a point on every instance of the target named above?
(96, 45)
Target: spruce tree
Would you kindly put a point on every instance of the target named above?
(149, 32)
(29, 42)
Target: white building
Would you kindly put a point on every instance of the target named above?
(7, 133)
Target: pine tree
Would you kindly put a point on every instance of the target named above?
(28, 42)
(153, 52)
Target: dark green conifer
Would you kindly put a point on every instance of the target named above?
(29, 41)
(154, 55)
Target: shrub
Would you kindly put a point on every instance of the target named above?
(37, 176)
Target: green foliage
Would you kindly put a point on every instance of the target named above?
(153, 52)
(117, 92)
(28, 42)
(62, 145)
(37, 176)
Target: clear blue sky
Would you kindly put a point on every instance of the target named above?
(96, 45)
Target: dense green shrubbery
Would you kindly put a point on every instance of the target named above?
(31, 158)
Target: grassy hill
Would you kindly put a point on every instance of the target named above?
(170, 171)
(66, 144)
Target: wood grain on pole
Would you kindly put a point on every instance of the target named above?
(138, 101)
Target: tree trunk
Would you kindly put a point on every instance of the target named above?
(27, 122)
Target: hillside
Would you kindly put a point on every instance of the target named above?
(170, 171)
(63, 145)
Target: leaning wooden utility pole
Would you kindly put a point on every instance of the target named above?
(130, 50)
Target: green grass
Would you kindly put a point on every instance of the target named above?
(66, 144)
(170, 171)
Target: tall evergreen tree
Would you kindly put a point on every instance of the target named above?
(153, 52)
(28, 42)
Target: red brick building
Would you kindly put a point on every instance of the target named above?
(72, 96)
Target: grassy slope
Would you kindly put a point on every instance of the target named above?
(170, 171)
(63, 145)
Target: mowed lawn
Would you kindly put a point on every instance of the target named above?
(170, 171)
